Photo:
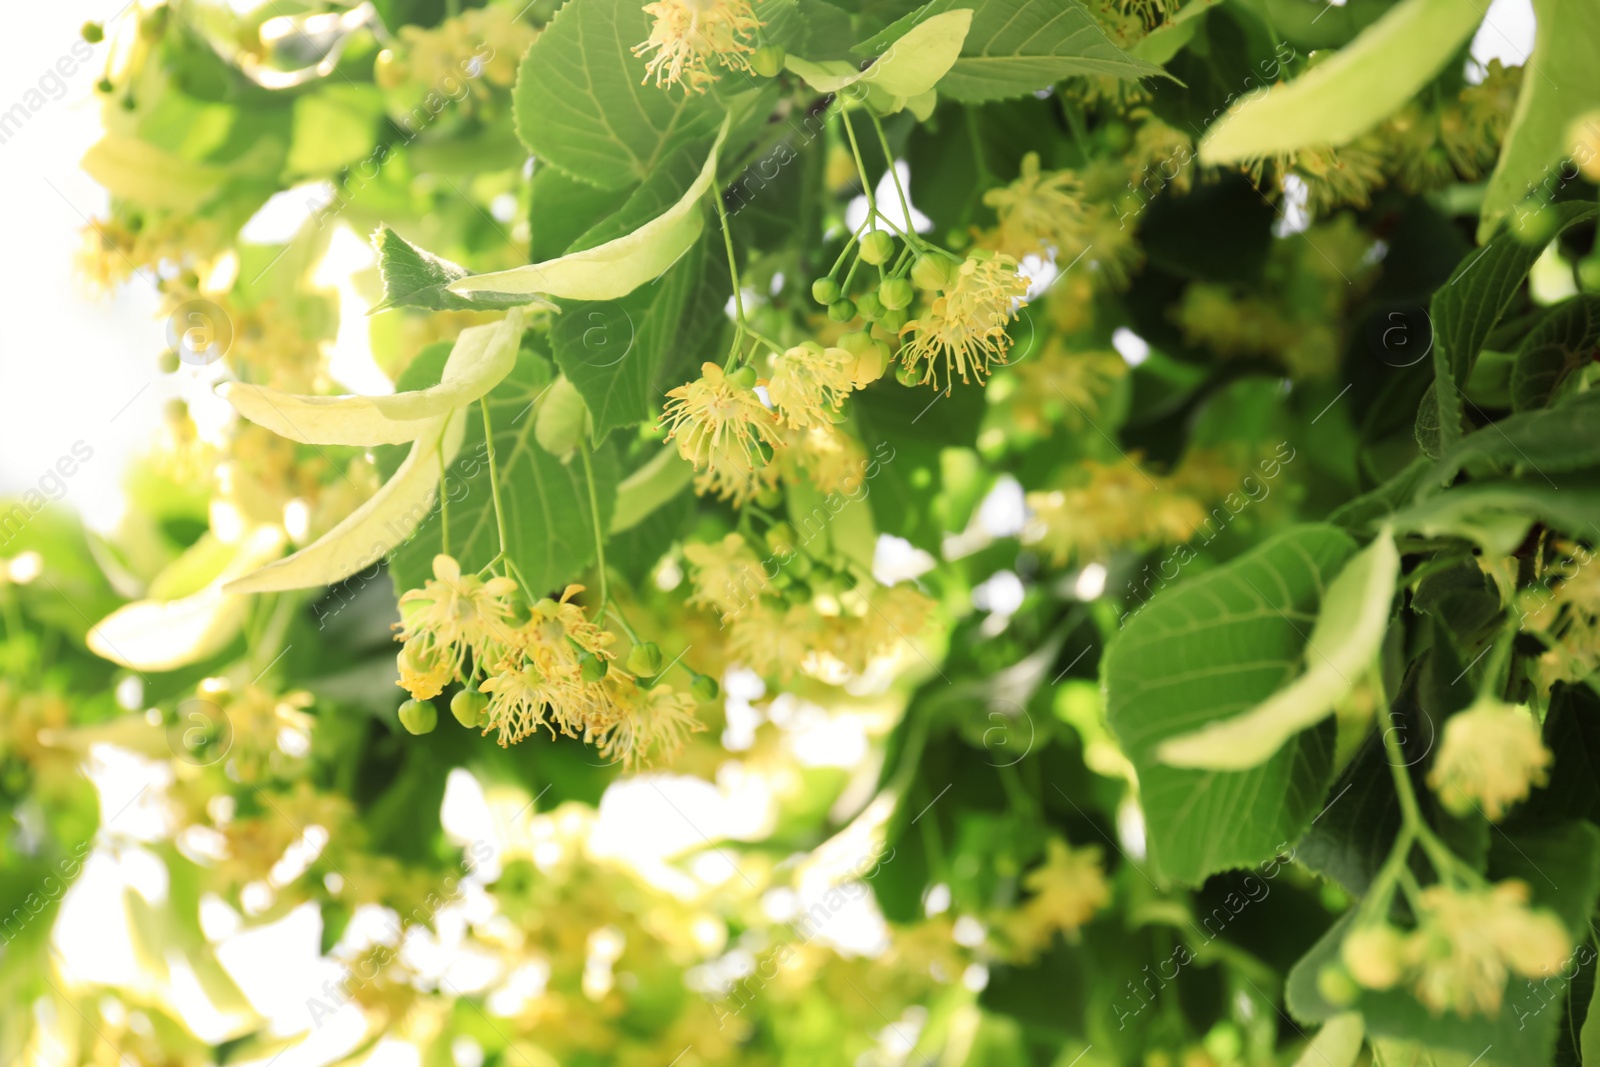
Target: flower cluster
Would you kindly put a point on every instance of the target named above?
(553, 668)
(964, 326)
(1111, 506)
(805, 617)
(1466, 946)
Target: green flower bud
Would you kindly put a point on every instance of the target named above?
(825, 290)
(592, 668)
(1336, 985)
(744, 377)
(870, 306)
(93, 32)
(935, 270)
(908, 376)
(877, 247)
(645, 659)
(704, 687)
(768, 60)
(419, 716)
(468, 706)
(842, 310)
(167, 362)
(896, 294)
(1589, 273)
(856, 343)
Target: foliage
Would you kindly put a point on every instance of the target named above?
(1011, 532)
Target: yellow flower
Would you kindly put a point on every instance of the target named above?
(1468, 942)
(826, 457)
(1069, 888)
(1490, 756)
(655, 724)
(725, 431)
(1375, 955)
(453, 614)
(1062, 387)
(809, 382)
(1116, 504)
(1038, 212)
(966, 322)
(688, 33)
(726, 575)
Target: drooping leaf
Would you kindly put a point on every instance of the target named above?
(1535, 443)
(909, 66)
(165, 634)
(619, 353)
(1201, 652)
(1560, 83)
(376, 528)
(1343, 97)
(582, 103)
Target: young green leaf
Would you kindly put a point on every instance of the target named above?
(1350, 626)
(415, 277)
(1367, 81)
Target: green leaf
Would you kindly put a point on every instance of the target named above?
(415, 277)
(549, 528)
(658, 481)
(1337, 1044)
(1015, 47)
(1497, 515)
(615, 351)
(582, 105)
(1350, 626)
(1204, 651)
(619, 266)
(1535, 443)
(1559, 85)
(1467, 310)
(1563, 341)
(1339, 99)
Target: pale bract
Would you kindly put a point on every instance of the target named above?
(377, 527)
(480, 360)
(618, 267)
(163, 634)
(1361, 85)
(1350, 626)
(910, 67)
